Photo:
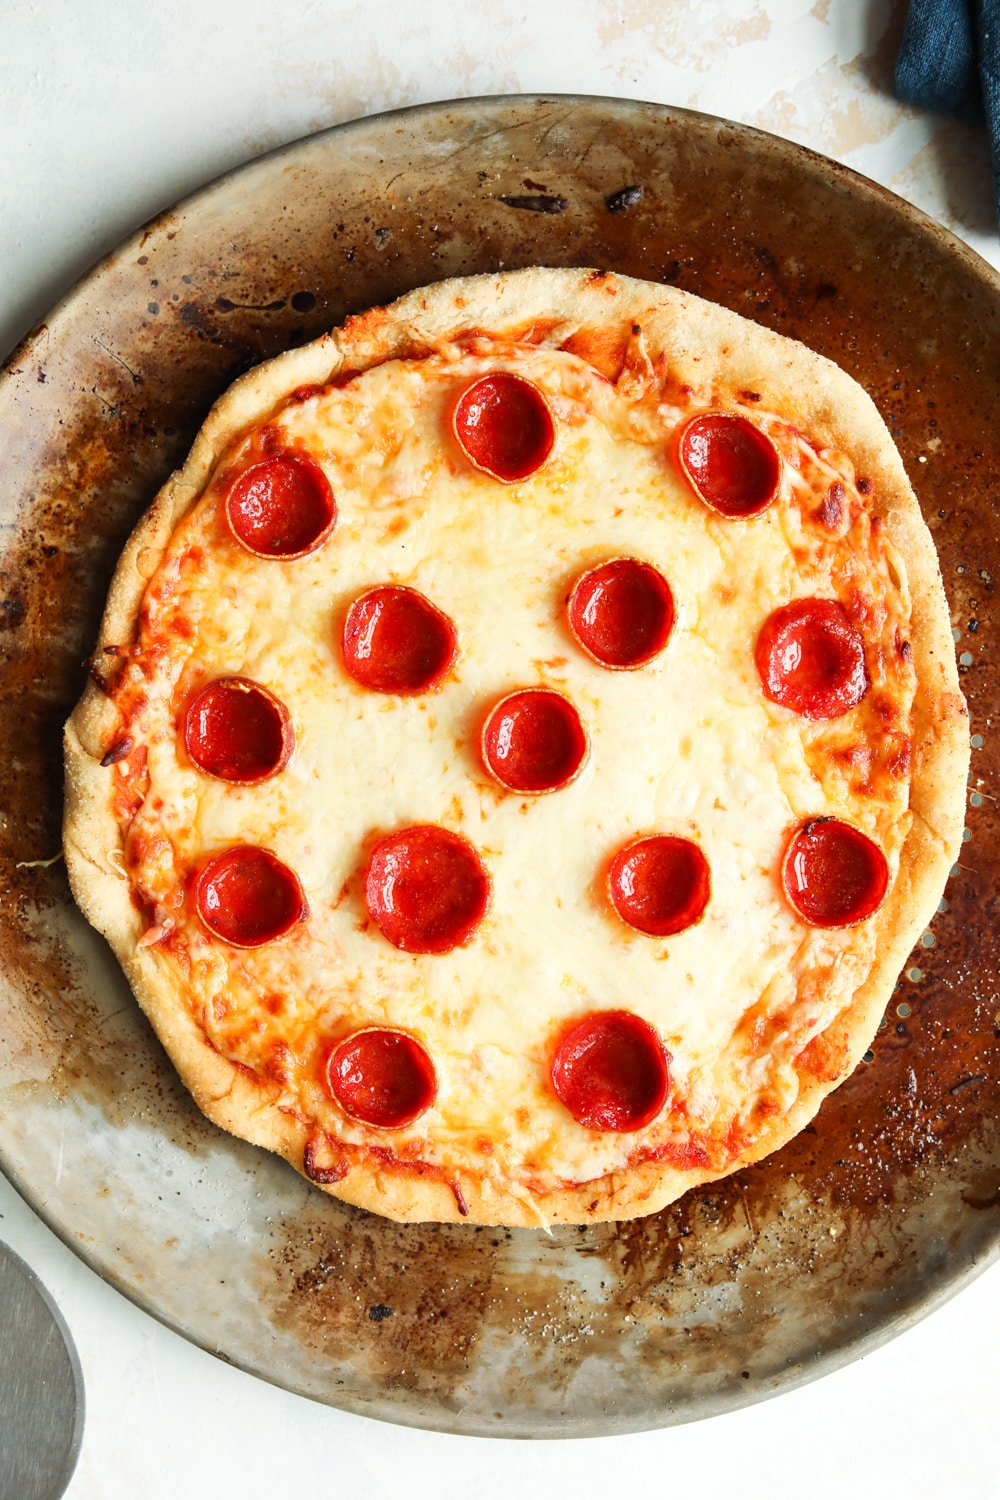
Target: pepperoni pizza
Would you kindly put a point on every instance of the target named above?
(524, 744)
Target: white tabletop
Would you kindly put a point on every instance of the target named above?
(110, 112)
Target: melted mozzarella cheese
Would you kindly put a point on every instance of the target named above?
(687, 744)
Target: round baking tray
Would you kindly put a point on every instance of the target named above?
(878, 1211)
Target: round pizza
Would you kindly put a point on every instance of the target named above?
(523, 745)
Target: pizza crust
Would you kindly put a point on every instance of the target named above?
(705, 346)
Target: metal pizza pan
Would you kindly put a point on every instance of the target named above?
(877, 1212)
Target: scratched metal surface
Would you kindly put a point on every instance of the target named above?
(879, 1210)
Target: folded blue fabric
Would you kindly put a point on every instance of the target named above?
(949, 61)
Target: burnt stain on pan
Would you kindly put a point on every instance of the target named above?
(624, 199)
(536, 203)
(442, 1287)
(893, 1192)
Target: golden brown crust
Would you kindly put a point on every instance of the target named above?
(706, 347)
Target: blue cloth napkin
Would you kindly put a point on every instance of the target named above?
(949, 61)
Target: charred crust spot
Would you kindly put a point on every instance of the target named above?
(536, 203)
(324, 1176)
(97, 676)
(864, 486)
(624, 199)
(751, 395)
(832, 508)
(379, 1312)
(118, 751)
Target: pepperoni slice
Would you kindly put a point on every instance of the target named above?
(660, 885)
(396, 641)
(238, 731)
(504, 426)
(611, 1071)
(730, 464)
(811, 658)
(247, 897)
(381, 1077)
(282, 507)
(834, 875)
(426, 889)
(534, 741)
(622, 613)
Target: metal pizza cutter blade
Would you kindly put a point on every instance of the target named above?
(41, 1388)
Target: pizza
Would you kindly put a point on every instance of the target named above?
(523, 746)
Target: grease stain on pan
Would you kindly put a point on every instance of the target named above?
(70, 1044)
(435, 1292)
